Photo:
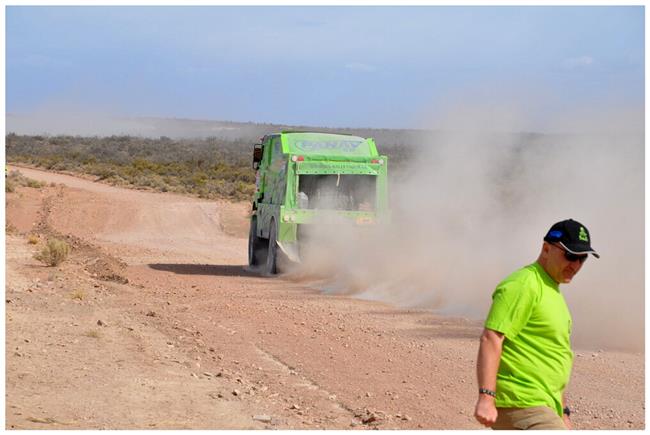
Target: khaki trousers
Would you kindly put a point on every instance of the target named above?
(537, 417)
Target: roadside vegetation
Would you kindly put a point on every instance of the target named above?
(54, 252)
(208, 168)
(16, 178)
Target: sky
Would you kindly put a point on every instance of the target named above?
(366, 66)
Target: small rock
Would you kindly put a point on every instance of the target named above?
(236, 392)
(208, 374)
(368, 394)
(406, 418)
(151, 314)
(262, 418)
(194, 375)
(100, 323)
(294, 406)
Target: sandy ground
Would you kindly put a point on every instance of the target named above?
(155, 323)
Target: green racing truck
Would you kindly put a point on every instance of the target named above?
(303, 176)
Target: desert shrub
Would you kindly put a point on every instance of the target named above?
(32, 239)
(54, 253)
(10, 186)
(35, 184)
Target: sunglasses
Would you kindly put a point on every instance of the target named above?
(571, 257)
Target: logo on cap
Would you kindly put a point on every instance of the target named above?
(583, 235)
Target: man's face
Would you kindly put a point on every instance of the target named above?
(559, 267)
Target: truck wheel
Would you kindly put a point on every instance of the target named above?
(254, 244)
(272, 252)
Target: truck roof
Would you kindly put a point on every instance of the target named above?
(327, 144)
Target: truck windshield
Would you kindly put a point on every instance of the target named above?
(337, 192)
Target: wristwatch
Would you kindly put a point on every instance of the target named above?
(566, 411)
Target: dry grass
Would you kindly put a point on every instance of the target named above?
(93, 333)
(16, 178)
(78, 295)
(54, 253)
(32, 239)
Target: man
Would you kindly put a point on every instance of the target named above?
(524, 359)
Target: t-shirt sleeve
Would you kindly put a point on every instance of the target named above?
(512, 305)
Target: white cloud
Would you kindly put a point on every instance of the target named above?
(578, 62)
(360, 67)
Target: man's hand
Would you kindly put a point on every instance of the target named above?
(486, 410)
(567, 421)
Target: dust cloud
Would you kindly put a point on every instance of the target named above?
(475, 205)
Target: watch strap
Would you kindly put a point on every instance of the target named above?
(487, 391)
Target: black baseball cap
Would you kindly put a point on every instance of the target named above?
(572, 236)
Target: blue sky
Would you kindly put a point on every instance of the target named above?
(321, 66)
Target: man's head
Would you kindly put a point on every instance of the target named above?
(566, 247)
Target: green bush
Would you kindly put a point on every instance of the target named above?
(54, 253)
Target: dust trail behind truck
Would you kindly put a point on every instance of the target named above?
(305, 179)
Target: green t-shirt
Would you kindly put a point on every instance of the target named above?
(528, 308)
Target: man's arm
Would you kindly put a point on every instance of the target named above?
(565, 418)
(487, 365)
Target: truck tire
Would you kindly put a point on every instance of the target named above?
(254, 245)
(272, 252)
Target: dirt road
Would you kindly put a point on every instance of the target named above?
(154, 322)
